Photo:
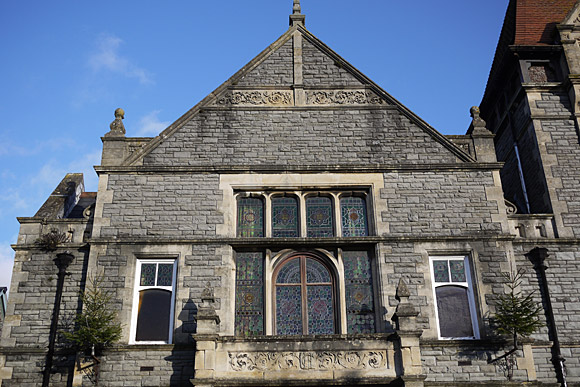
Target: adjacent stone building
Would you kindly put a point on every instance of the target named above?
(300, 226)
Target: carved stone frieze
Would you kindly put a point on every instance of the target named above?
(310, 360)
(257, 97)
(343, 97)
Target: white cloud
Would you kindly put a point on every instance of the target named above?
(150, 125)
(6, 263)
(106, 57)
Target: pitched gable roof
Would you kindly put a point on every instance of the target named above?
(536, 20)
(322, 67)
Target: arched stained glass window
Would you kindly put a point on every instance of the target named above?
(304, 298)
(284, 217)
(319, 217)
(353, 213)
(250, 217)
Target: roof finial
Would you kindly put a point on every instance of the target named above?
(296, 17)
(296, 9)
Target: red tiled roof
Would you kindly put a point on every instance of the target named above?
(536, 20)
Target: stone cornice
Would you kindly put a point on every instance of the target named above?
(366, 168)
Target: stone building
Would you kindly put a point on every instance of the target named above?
(300, 226)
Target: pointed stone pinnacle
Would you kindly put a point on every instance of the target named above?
(297, 17)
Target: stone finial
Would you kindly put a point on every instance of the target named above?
(477, 123)
(296, 8)
(297, 17)
(402, 290)
(117, 127)
(207, 296)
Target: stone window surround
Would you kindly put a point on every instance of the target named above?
(334, 260)
(301, 195)
(137, 288)
(468, 284)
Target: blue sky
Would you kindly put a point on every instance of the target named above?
(67, 65)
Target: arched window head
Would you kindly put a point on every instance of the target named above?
(304, 297)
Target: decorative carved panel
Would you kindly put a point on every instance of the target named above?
(308, 360)
(257, 97)
(343, 97)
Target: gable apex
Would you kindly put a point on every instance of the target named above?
(298, 71)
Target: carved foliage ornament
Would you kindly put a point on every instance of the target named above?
(262, 361)
(343, 97)
(256, 98)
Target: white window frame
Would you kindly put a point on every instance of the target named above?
(468, 284)
(138, 288)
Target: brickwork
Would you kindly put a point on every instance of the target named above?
(441, 203)
(175, 205)
(265, 137)
(276, 70)
(321, 70)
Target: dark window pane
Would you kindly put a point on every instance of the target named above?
(289, 273)
(319, 217)
(153, 315)
(165, 274)
(249, 294)
(250, 217)
(316, 272)
(284, 217)
(353, 212)
(453, 310)
(147, 274)
(441, 271)
(320, 311)
(288, 310)
(360, 310)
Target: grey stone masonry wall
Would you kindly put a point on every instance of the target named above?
(321, 70)
(276, 70)
(298, 137)
(562, 274)
(176, 205)
(162, 365)
(554, 103)
(565, 148)
(439, 203)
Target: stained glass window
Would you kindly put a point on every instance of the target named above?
(441, 270)
(250, 217)
(360, 309)
(304, 284)
(284, 217)
(165, 274)
(148, 274)
(319, 217)
(249, 294)
(457, 271)
(353, 213)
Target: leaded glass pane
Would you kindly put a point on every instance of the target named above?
(441, 271)
(320, 311)
(284, 217)
(360, 310)
(453, 311)
(353, 212)
(165, 274)
(316, 272)
(319, 217)
(250, 217)
(457, 271)
(249, 294)
(289, 273)
(288, 310)
(147, 274)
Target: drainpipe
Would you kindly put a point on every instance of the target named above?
(61, 261)
(538, 257)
